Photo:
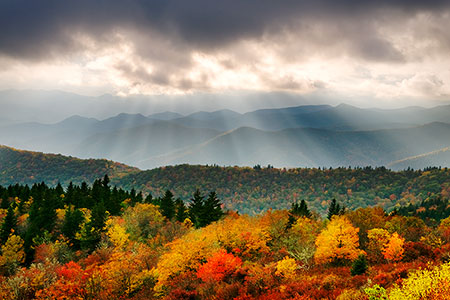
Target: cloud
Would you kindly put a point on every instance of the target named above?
(175, 46)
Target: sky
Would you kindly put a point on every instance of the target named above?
(376, 53)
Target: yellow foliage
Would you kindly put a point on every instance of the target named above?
(338, 241)
(424, 284)
(286, 268)
(378, 238)
(393, 251)
(12, 251)
(117, 234)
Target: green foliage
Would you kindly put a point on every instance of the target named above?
(9, 224)
(360, 265)
(181, 210)
(300, 210)
(335, 209)
(376, 292)
(72, 221)
(252, 191)
(167, 205)
(203, 212)
(33, 167)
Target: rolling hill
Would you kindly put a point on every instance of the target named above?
(247, 190)
(18, 166)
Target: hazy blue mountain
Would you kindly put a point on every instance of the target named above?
(136, 144)
(313, 147)
(166, 116)
(341, 117)
(313, 135)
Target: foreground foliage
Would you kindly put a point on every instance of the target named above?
(100, 242)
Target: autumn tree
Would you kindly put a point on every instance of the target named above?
(219, 266)
(377, 240)
(12, 254)
(393, 251)
(338, 242)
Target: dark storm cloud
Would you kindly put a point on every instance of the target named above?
(38, 29)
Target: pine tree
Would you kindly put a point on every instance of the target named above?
(72, 222)
(335, 209)
(95, 227)
(167, 206)
(196, 208)
(9, 223)
(211, 211)
(181, 210)
(148, 199)
(300, 210)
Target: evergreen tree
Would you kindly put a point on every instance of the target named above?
(167, 206)
(95, 227)
(9, 223)
(196, 208)
(300, 210)
(181, 210)
(72, 221)
(149, 199)
(211, 211)
(335, 209)
(360, 265)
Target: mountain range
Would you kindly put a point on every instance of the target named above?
(302, 136)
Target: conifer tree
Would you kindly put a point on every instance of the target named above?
(335, 209)
(196, 208)
(181, 210)
(9, 223)
(167, 206)
(212, 210)
(72, 221)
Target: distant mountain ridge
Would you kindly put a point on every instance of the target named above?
(302, 136)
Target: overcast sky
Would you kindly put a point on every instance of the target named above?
(390, 52)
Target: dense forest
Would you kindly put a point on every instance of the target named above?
(254, 190)
(102, 242)
(243, 189)
(30, 167)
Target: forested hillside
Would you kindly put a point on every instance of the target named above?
(26, 167)
(252, 190)
(244, 189)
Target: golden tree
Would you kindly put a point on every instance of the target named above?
(338, 242)
(393, 251)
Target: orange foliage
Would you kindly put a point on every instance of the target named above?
(393, 250)
(219, 266)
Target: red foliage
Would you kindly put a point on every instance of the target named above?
(219, 266)
(416, 250)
